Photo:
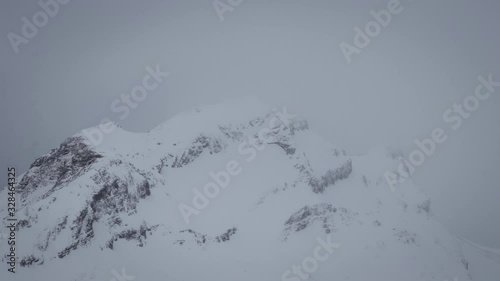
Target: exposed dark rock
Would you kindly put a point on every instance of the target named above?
(200, 144)
(199, 238)
(424, 207)
(258, 121)
(30, 260)
(286, 147)
(331, 177)
(140, 235)
(365, 181)
(202, 239)
(60, 166)
(68, 249)
(299, 125)
(307, 215)
(232, 133)
(83, 231)
(227, 235)
(51, 236)
(23, 224)
(405, 236)
(115, 197)
(324, 212)
(112, 199)
(143, 190)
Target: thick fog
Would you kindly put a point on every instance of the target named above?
(393, 91)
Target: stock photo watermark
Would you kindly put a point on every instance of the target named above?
(121, 276)
(222, 179)
(11, 221)
(372, 29)
(126, 103)
(223, 6)
(30, 27)
(453, 116)
(310, 264)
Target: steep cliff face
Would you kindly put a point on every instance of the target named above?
(67, 192)
(258, 189)
(60, 166)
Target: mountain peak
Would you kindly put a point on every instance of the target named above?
(228, 189)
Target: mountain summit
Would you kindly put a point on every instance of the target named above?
(235, 191)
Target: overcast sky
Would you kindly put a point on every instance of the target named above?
(286, 52)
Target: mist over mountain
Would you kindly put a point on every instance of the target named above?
(240, 190)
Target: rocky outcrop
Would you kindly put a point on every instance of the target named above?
(60, 166)
(200, 144)
(289, 149)
(140, 235)
(30, 260)
(405, 236)
(201, 239)
(331, 177)
(325, 213)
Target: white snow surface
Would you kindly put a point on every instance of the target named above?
(271, 212)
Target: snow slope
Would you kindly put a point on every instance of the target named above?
(234, 191)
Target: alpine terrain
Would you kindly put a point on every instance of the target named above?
(235, 191)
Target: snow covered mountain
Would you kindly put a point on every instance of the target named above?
(234, 191)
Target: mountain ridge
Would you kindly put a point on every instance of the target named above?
(125, 195)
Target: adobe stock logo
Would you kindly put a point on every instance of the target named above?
(126, 103)
(311, 264)
(221, 7)
(123, 276)
(222, 179)
(50, 8)
(372, 29)
(455, 116)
